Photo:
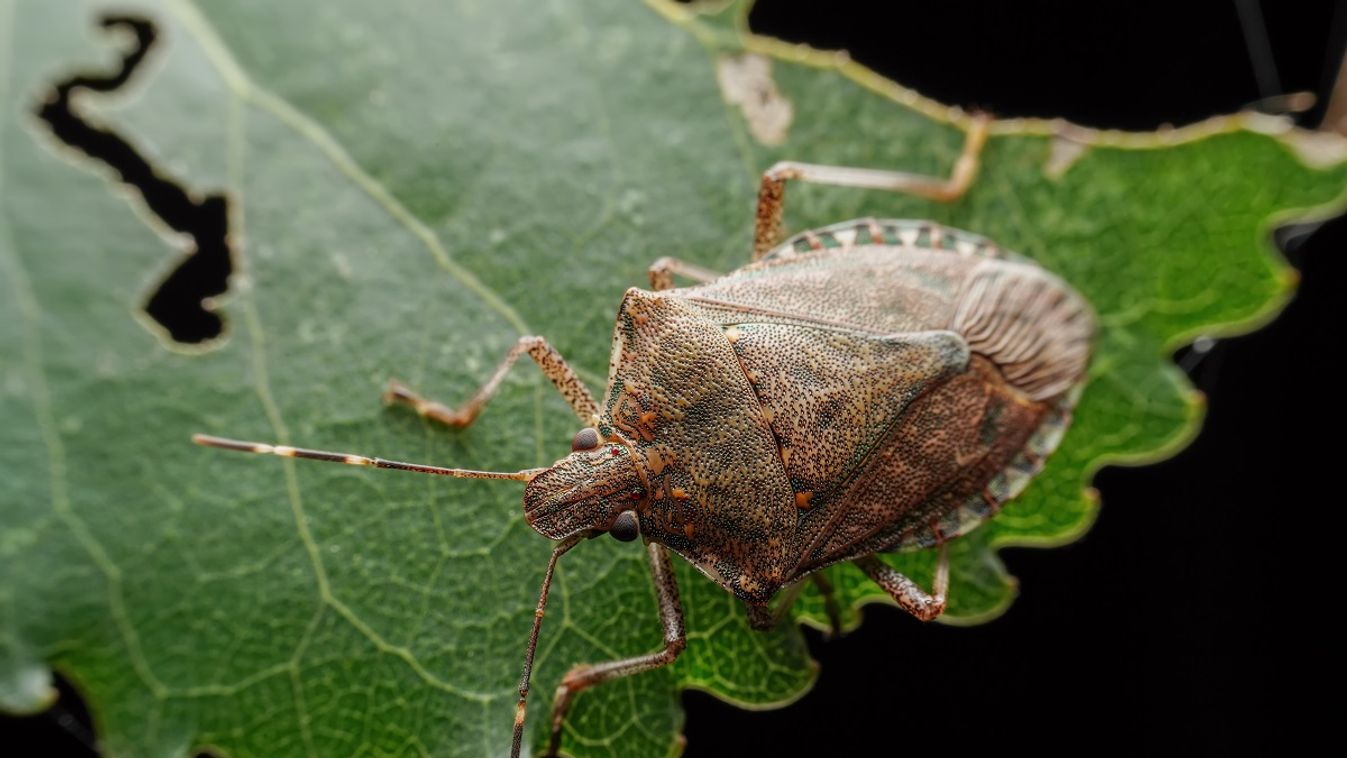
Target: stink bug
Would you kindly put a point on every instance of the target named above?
(865, 387)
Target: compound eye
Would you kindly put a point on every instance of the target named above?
(585, 439)
(625, 529)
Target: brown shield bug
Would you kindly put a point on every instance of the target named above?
(865, 387)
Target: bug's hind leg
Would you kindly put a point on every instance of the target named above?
(662, 273)
(585, 676)
(905, 592)
(760, 617)
(825, 588)
(548, 359)
(772, 194)
(763, 617)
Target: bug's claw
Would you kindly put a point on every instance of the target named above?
(397, 392)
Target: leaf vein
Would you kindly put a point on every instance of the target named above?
(246, 89)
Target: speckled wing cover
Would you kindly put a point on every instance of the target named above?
(869, 386)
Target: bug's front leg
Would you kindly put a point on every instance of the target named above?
(548, 359)
(772, 194)
(662, 273)
(905, 592)
(671, 616)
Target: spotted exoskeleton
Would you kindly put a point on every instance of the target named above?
(870, 386)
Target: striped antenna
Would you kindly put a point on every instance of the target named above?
(285, 451)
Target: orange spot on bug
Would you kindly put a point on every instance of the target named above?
(802, 500)
(687, 530)
(677, 493)
(655, 460)
(637, 314)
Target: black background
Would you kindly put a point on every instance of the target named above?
(1196, 612)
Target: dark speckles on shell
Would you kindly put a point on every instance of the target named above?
(867, 386)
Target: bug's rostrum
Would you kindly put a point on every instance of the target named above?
(586, 490)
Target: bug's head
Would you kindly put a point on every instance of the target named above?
(595, 488)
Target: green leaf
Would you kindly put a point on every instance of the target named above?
(412, 186)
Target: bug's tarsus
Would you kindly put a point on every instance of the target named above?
(1287, 104)
(662, 273)
(351, 459)
(905, 592)
(553, 366)
(671, 616)
(398, 393)
(772, 193)
(527, 675)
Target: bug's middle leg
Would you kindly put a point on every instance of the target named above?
(772, 194)
(586, 676)
(662, 273)
(905, 592)
(548, 359)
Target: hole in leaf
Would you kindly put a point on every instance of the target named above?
(65, 728)
(182, 302)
